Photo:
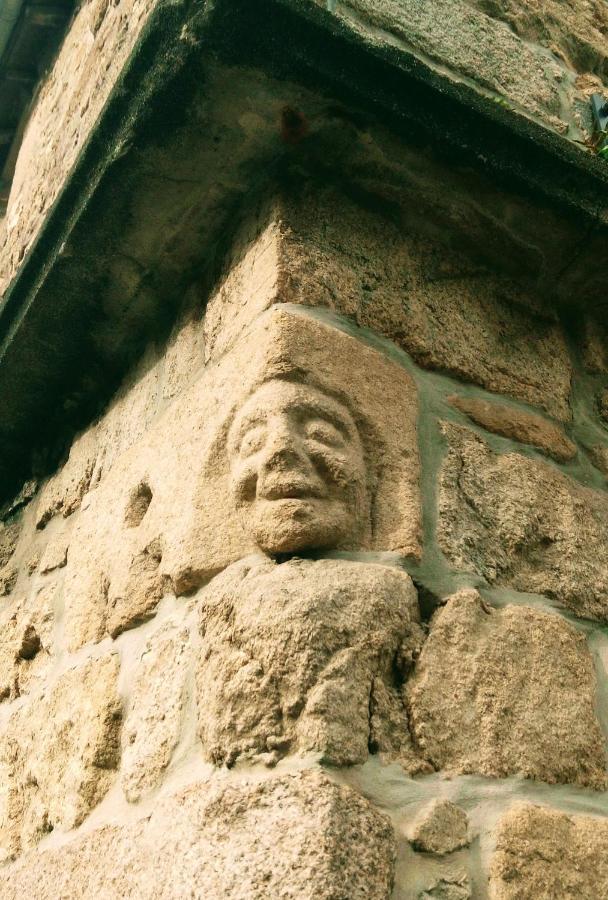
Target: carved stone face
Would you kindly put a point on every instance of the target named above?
(298, 470)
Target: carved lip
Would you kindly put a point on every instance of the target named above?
(291, 490)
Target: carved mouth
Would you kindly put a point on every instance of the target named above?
(291, 490)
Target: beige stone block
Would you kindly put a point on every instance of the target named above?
(463, 40)
(352, 482)
(251, 284)
(298, 837)
(55, 554)
(445, 309)
(64, 491)
(301, 438)
(518, 425)
(8, 579)
(575, 31)
(58, 753)
(113, 581)
(292, 654)
(26, 641)
(184, 355)
(521, 522)
(152, 726)
(9, 535)
(68, 104)
(542, 854)
(506, 692)
(440, 828)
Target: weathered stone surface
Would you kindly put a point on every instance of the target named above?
(294, 654)
(65, 490)
(518, 425)
(441, 827)
(58, 754)
(445, 309)
(26, 641)
(470, 44)
(506, 692)
(521, 522)
(573, 29)
(331, 461)
(296, 837)
(55, 555)
(252, 283)
(9, 535)
(457, 888)
(152, 726)
(68, 104)
(599, 457)
(542, 854)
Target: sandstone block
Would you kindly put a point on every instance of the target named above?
(518, 425)
(445, 309)
(364, 431)
(575, 31)
(58, 754)
(542, 854)
(506, 692)
(272, 448)
(65, 490)
(521, 522)
(296, 837)
(26, 641)
(294, 654)
(471, 44)
(9, 535)
(441, 827)
(152, 726)
(55, 555)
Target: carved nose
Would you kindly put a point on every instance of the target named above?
(282, 449)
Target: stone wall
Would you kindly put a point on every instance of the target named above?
(317, 606)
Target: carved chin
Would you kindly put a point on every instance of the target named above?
(294, 525)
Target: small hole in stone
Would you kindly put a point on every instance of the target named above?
(138, 504)
(30, 643)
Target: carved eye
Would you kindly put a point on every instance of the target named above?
(253, 441)
(323, 432)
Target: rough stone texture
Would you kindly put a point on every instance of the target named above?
(518, 425)
(506, 692)
(55, 555)
(306, 656)
(471, 45)
(68, 105)
(152, 726)
(65, 490)
(26, 641)
(521, 522)
(296, 837)
(542, 854)
(442, 827)
(195, 522)
(449, 888)
(445, 309)
(9, 535)
(576, 30)
(58, 754)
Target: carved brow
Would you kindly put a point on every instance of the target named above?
(340, 422)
